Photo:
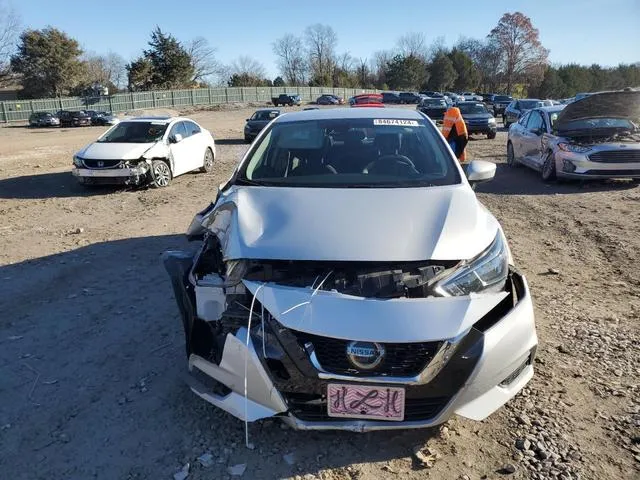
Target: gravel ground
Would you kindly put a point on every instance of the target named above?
(91, 349)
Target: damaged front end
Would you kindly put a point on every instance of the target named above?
(324, 344)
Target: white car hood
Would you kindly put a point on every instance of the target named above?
(354, 224)
(117, 151)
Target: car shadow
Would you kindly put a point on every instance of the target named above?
(522, 180)
(230, 141)
(50, 185)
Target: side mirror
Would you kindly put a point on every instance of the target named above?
(479, 171)
(177, 138)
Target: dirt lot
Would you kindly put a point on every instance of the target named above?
(91, 349)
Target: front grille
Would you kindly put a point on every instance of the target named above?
(314, 409)
(400, 360)
(616, 156)
(98, 164)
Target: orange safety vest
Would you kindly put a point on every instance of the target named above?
(453, 119)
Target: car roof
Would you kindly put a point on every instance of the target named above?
(159, 118)
(551, 108)
(471, 102)
(346, 113)
(268, 110)
(527, 100)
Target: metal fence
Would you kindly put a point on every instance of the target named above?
(20, 110)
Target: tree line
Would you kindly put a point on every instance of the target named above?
(510, 59)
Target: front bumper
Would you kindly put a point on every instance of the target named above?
(485, 128)
(578, 166)
(118, 176)
(484, 367)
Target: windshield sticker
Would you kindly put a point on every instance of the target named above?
(158, 123)
(396, 122)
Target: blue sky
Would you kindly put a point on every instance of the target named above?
(584, 31)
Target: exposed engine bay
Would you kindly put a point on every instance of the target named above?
(363, 279)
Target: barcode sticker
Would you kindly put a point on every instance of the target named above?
(396, 122)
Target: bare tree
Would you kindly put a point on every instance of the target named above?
(291, 61)
(523, 54)
(203, 59)
(437, 48)
(117, 68)
(379, 63)
(245, 65)
(9, 29)
(321, 43)
(105, 69)
(413, 44)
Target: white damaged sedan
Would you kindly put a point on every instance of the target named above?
(349, 279)
(145, 150)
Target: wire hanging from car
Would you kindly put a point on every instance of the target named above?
(246, 368)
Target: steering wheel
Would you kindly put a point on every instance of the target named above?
(399, 160)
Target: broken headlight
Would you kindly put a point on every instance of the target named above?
(487, 272)
(570, 147)
(235, 271)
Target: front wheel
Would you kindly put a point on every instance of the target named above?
(491, 135)
(160, 174)
(549, 168)
(207, 163)
(511, 156)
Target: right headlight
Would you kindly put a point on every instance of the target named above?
(77, 161)
(485, 273)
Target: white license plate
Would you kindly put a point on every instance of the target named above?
(365, 401)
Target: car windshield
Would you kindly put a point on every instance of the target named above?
(343, 153)
(529, 104)
(502, 98)
(471, 108)
(596, 123)
(265, 115)
(135, 132)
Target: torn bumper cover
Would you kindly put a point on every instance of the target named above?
(262, 349)
(127, 175)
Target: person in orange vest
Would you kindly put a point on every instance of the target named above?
(455, 131)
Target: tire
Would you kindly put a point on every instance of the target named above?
(491, 135)
(247, 140)
(207, 163)
(160, 174)
(548, 171)
(511, 156)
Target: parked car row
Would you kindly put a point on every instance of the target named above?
(72, 118)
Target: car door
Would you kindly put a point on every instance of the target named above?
(179, 150)
(516, 132)
(537, 157)
(197, 143)
(531, 138)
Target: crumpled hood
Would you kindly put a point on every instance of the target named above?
(115, 151)
(601, 105)
(354, 224)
